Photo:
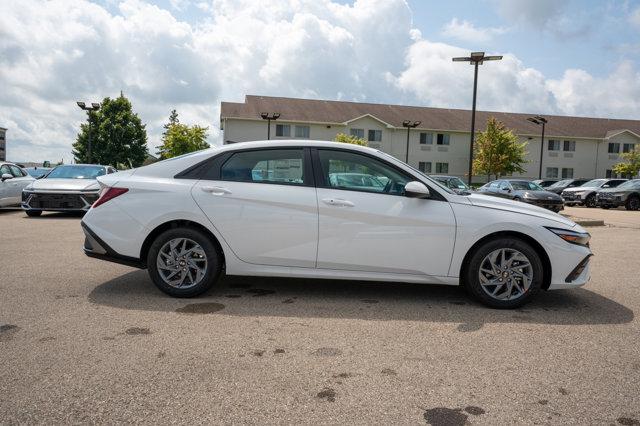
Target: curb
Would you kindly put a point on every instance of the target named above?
(586, 222)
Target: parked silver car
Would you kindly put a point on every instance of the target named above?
(13, 180)
(65, 188)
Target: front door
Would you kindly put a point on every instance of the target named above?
(263, 203)
(367, 224)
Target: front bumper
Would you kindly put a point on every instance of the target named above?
(553, 205)
(58, 201)
(610, 201)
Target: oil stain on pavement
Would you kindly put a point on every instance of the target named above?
(137, 331)
(442, 416)
(7, 331)
(200, 308)
(328, 394)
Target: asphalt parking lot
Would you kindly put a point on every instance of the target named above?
(86, 341)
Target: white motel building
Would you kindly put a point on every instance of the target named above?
(573, 146)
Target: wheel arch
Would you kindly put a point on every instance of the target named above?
(546, 263)
(178, 223)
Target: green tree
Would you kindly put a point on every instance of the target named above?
(173, 119)
(118, 135)
(181, 139)
(344, 138)
(631, 165)
(498, 152)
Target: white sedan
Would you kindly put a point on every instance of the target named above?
(270, 209)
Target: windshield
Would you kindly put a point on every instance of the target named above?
(526, 186)
(37, 172)
(76, 172)
(594, 183)
(457, 183)
(561, 183)
(632, 184)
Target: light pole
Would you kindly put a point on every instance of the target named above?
(409, 125)
(475, 59)
(539, 121)
(93, 107)
(266, 116)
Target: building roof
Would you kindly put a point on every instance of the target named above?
(339, 112)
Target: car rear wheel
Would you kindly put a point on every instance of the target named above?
(504, 273)
(633, 203)
(33, 213)
(183, 262)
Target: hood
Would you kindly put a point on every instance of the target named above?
(542, 195)
(489, 201)
(63, 185)
(581, 189)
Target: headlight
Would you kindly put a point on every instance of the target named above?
(573, 237)
(529, 196)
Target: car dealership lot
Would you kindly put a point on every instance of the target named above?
(88, 341)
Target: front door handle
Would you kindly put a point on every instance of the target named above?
(337, 202)
(216, 190)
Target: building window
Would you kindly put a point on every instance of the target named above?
(569, 145)
(553, 145)
(614, 147)
(426, 138)
(443, 139)
(567, 173)
(358, 133)
(424, 166)
(552, 172)
(302, 132)
(628, 147)
(283, 130)
(375, 135)
(442, 167)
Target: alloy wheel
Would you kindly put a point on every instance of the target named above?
(181, 263)
(505, 274)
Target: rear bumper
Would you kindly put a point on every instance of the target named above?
(95, 247)
(555, 206)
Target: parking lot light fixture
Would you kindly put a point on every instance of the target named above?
(269, 116)
(409, 125)
(539, 120)
(475, 59)
(93, 107)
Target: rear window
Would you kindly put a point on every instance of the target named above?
(280, 166)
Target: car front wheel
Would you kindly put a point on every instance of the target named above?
(33, 213)
(183, 262)
(633, 203)
(504, 273)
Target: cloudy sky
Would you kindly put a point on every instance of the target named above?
(577, 57)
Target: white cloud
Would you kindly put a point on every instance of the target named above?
(532, 12)
(57, 52)
(467, 32)
(634, 17)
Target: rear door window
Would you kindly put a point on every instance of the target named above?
(275, 166)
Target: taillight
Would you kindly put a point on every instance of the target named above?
(107, 194)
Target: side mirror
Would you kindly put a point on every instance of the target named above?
(606, 186)
(6, 176)
(415, 189)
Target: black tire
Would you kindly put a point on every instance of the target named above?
(33, 213)
(212, 254)
(633, 203)
(471, 278)
(590, 201)
(606, 207)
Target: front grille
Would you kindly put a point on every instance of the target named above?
(61, 201)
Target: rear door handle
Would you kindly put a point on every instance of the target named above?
(216, 190)
(337, 202)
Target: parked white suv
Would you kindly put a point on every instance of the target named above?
(271, 209)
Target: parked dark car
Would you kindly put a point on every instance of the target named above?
(545, 183)
(585, 194)
(560, 186)
(627, 195)
(523, 190)
(451, 182)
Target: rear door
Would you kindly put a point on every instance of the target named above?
(263, 203)
(20, 180)
(376, 228)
